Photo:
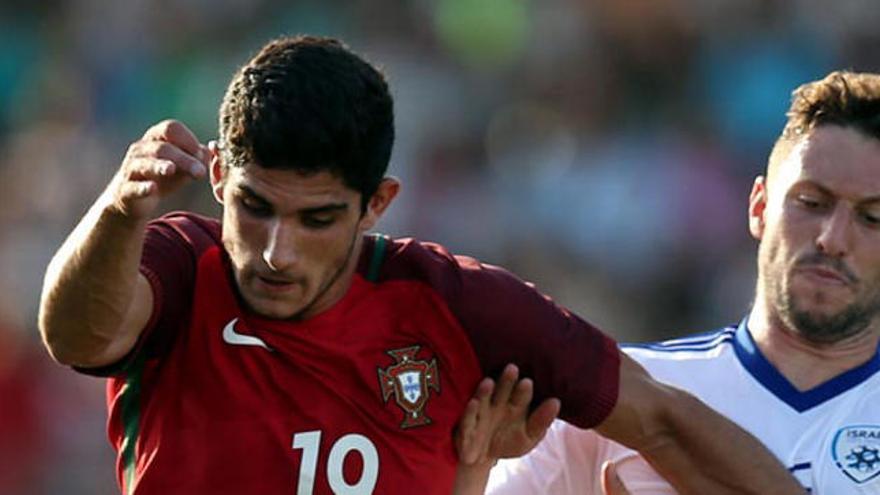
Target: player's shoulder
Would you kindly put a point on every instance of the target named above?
(695, 346)
(408, 252)
(387, 259)
(411, 253)
(696, 363)
(187, 221)
(196, 231)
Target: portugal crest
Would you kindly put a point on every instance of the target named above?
(856, 451)
(409, 380)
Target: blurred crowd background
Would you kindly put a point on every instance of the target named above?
(603, 149)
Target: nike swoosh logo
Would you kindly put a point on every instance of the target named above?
(230, 336)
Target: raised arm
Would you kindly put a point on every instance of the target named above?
(696, 449)
(95, 303)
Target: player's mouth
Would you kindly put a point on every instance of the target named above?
(824, 275)
(275, 285)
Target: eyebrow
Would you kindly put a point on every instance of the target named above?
(324, 209)
(869, 201)
(317, 210)
(250, 192)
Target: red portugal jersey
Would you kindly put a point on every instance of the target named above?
(360, 399)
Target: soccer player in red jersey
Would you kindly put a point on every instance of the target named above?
(283, 350)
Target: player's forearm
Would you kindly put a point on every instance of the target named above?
(698, 451)
(90, 283)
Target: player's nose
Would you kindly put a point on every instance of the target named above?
(280, 252)
(835, 233)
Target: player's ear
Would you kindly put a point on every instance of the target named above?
(379, 202)
(217, 171)
(758, 207)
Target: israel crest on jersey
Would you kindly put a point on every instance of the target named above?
(856, 451)
(409, 381)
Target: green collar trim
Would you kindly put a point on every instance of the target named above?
(377, 258)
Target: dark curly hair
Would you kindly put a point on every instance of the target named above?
(310, 104)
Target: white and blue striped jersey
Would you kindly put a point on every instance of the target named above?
(828, 436)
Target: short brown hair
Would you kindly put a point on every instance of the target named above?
(843, 98)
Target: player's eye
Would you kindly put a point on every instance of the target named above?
(254, 206)
(318, 221)
(811, 201)
(870, 217)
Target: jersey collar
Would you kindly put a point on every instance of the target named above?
(767, 375)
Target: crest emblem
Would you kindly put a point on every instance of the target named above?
(856, 451)
(409, 381)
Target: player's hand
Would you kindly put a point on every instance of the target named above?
(496, 423)
(611, 483)
(165, 158)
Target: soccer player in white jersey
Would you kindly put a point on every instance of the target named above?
(800, 372)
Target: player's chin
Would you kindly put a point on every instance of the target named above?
(822, 307)
(825, 298)
(274, 307)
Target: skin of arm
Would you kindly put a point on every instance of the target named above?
(95, 303)
(697, 450)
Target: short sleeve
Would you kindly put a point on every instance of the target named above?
(638, 476)
(508, 321)
(172, 245)
(566, 461)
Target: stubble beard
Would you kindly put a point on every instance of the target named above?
(337, 274)
(239, 274)
(816, 327)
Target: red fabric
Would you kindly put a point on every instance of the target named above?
(215, 417)
(508, 321)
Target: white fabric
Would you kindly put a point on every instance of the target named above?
(832, 445)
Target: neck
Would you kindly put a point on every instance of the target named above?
(806, 364)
